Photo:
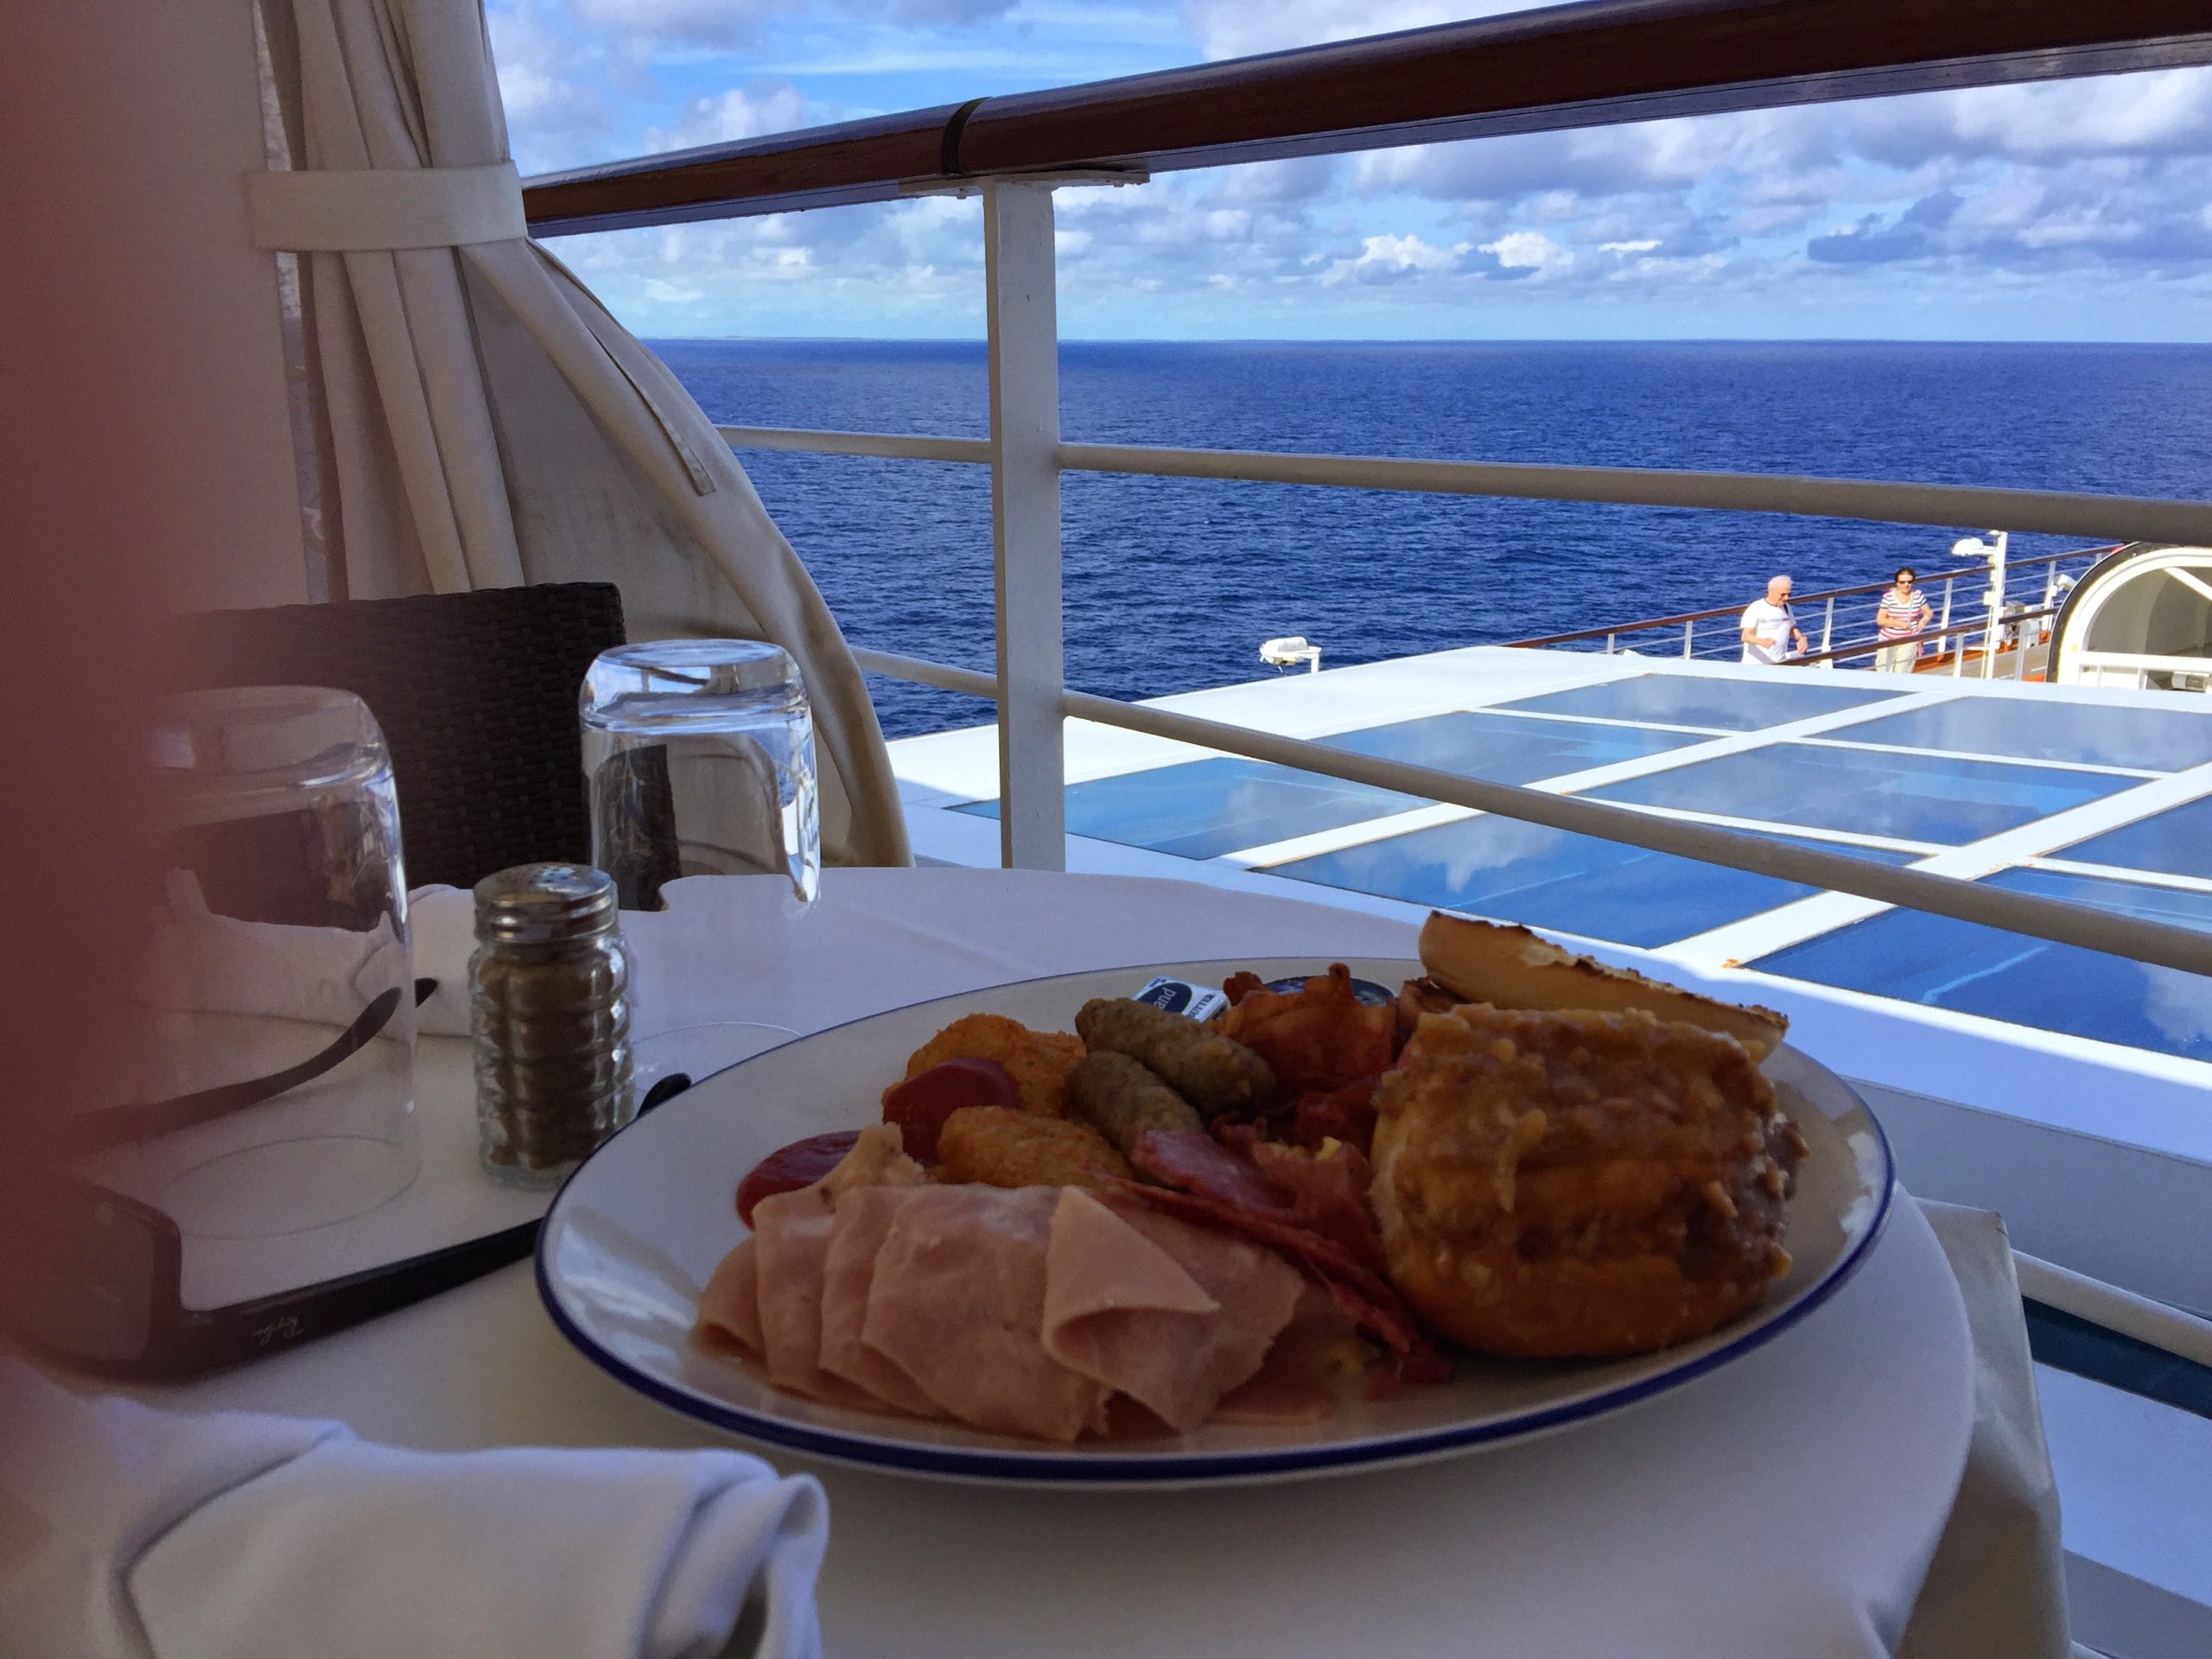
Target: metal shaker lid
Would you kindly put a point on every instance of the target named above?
(544, 904)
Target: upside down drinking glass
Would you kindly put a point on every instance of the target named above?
(263, 1063)
(699, 754)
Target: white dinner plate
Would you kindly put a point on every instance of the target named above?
(639, 1226)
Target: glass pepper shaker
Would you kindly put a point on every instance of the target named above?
(549, 993)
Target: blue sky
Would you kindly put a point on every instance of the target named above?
(2070, 211)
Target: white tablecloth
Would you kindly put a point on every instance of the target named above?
(1788, 1504)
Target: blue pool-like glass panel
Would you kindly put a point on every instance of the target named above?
(1202, 809)
(1945, 964)
(2149, 739)
(2177, 841)
(1515, 872)
(1723, 705)
(1505, 748)
(1909, 797)
(1205, 808)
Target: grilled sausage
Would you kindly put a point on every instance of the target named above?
(1122, 1099)
(1215, 1073)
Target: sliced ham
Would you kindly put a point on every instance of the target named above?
(792, 1239)
(957, 1303)
(1171, 1315)
(730, 1307)
(1027, 1310)
(1365, 1297)
(862, 1218)
(1298, 1383)
(1097, 1264)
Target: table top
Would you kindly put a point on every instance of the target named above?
(1788, 1503)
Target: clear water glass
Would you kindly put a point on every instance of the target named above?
(264, 1054)
(699, 757)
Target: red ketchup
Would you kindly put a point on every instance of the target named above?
(920, 1105)
(787, 1169)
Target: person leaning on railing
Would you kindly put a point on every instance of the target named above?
(1904, 612)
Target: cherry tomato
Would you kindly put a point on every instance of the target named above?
(920, 1105)
(788, 1168)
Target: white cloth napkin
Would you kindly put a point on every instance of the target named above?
(127, 1533)
(1997, 1582)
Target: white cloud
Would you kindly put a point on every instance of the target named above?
(556, 113)
(740, 113)
(2164, 113)
(1384, 257)
(1674, 155)
(1532, 250)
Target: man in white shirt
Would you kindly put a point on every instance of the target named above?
(1769, 629)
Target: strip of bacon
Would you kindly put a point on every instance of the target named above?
(1327, 1195)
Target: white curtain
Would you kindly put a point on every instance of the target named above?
(486, 421)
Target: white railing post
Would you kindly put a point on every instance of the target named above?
(1689, 635)
(1024, 372)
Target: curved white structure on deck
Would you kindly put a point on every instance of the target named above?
(2139, 619)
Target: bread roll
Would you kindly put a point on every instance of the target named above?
(1558, 1185)
(1508, 967)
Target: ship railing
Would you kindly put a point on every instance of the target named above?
(1839, 615)
(1560, 67)
(2008, 645)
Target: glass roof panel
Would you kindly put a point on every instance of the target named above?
(1203, 809)
(1694, 700)
(1506, 748)
(1516, 871)
(2177, 841)
(1909, 797)
(1944, 963)
(2050, 728)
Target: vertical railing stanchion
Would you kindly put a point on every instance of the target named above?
(1609, 643)
(1828, 625)
(1689, 632)
(1025, 377)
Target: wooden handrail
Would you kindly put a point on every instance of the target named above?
(1571, 66)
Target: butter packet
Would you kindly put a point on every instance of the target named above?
(1181, 996)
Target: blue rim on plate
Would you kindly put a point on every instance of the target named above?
(1155, 1469)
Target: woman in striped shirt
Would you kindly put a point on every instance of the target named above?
(1904, 611)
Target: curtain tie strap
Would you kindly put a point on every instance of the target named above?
(343, 211)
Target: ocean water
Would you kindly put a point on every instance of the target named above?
(1171, 584)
